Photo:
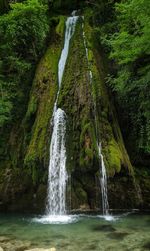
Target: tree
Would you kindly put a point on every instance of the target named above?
(4, 6)
(130, 49)
(23, 32)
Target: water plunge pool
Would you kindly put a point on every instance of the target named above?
(124, 232)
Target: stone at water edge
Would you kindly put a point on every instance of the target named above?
(13, 245)
(41, 249)
(4, 239)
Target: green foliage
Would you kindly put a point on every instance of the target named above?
(124, 34)
(131, 42)
(5, 108)
(23, 31)
(103, 11)
(64, 4)
(131, 51)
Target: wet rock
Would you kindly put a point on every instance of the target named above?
(4, 239)
(91, 247)
(63, 245)
(104, 228)
(147, 245)
(15, 245)
(118, 235)
(58, 236)
(47, 242)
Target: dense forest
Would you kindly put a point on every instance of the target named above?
(120, 31)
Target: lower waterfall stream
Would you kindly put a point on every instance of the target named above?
(103, 174)
(103, 181)
(57, 171)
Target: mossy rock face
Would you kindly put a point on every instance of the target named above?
(79, 196)
(18, 193)
(142, 175)
(109, 134)
(91, 118)
(75, 99)
(40, 108)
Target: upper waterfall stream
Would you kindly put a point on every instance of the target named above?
(57, 177)
(70, 28)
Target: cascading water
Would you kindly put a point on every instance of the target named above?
(103, 174)
(70, 28)
(103, 181)
(57, 177)
(57, 166)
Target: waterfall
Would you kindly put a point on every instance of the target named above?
(57, 176)
(103, 181)
(57, 171)
(70, 28)
(103, 174)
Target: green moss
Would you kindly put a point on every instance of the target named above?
(89, 153)
(108, 131)
(114, 157)
(40, 108)
(88, 145)
(32, 107)
(61, 25)
(81, 194)
(75, 98)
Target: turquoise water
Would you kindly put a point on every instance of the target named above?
(81, 232)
